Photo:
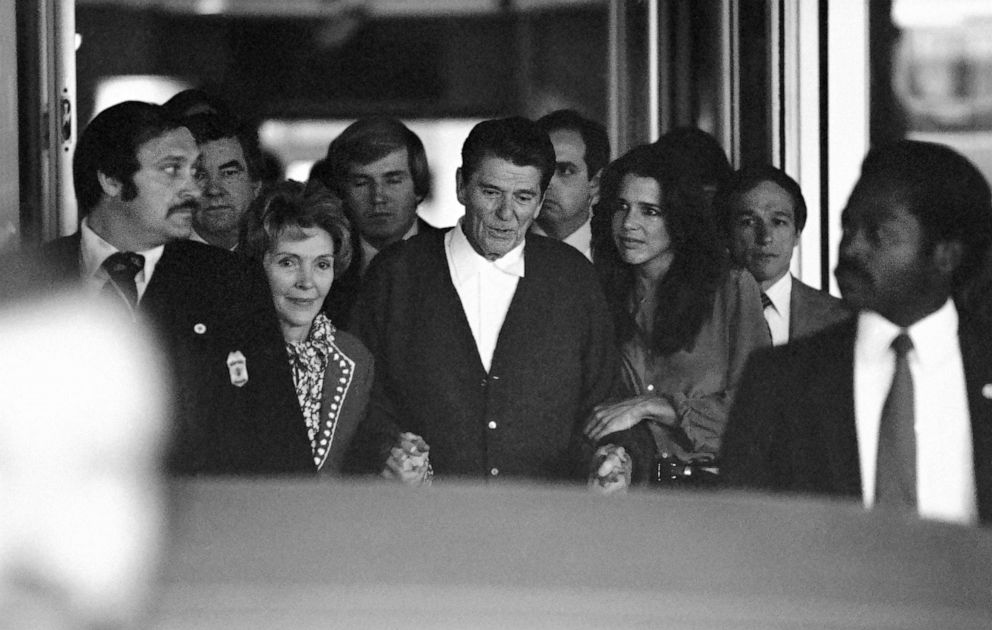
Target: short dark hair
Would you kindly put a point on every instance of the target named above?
(948, 195)
(700, 155)
(109, 145)
(593, 136)
(746, 179)
(195, 101)
(210, 126)
(369, 139)
(688, 290)
(285, 206)
(516, 140)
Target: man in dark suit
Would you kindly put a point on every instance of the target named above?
(378, 167)
(892, 407)
(491, 343)
(766, 213)
(234, 405)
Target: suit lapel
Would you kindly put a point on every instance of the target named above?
(830, 400)
(976, 355)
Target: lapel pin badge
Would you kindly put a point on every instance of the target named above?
(987, 391)
(237, 365)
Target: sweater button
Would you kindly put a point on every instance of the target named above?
(492, 424)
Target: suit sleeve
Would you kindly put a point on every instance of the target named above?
(381, 427)
(601, 373)
(748, 441)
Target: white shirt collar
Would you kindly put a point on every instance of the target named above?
(93, 250)
(780, 293)
(467, 262)
(370, 251)
(932, 336)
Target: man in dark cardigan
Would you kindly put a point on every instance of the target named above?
(490, 343)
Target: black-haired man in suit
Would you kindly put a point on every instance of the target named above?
(895, 406)
(234, 406)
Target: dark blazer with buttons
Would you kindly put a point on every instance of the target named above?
(202, 304)
(555, 359)
(811, 310)
(345, 394)
(792, 427)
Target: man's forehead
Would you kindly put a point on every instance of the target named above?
(176, 142)
(222, 148)
(396, 161)
(766, 197)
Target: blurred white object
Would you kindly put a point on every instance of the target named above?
(82, 428)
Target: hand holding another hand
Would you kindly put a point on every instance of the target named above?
(611, 470)
(409, 461)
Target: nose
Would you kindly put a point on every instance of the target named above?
(762, 234)
(210, 187)
(629, 222)
(505, 208)
(378, 192)
(191, 187)
(304, 277)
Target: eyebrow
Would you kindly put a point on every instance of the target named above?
(232, 163)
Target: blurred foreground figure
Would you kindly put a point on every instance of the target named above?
(81, 436)
(894, 406)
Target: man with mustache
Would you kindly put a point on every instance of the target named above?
(491, 344)
(378, 167)
(582, 150)
(234, 406)
(766, 214)
(894, 407)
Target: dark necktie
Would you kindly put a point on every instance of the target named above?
(895, 472)
(766, 303)
(122, 268)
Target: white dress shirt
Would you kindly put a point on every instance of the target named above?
(484, 287)
(777, 315)
(93, 250)
(945, 476)
(580, 239)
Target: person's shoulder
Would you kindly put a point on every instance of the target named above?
(553, 260)
(809, 352)
(815, 296)
(352, 347)
(421, 245)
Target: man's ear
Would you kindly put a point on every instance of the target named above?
(459, 186)
(111, 185)
(947, 256)
(594, 188)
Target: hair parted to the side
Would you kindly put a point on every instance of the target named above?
(593, 135)
(747, 179)
(109, 145)
(284, 210)
(686, 294)
(210, 126)
(517, 140)
(368, 140)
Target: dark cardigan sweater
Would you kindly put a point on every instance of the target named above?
(555, 359)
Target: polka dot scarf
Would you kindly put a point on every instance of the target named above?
(308, 360)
